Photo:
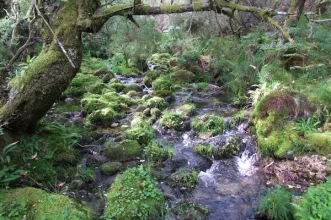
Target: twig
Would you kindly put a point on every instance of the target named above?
(27, 44)
(55, 37)
(269, 165)
(321, 21)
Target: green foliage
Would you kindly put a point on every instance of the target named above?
(142, 130)
(230, 148)
(125, 150)
(158, 153)
(276, 204)
(209, 123)
(315, 203)
(172, 120)
(303, 126)
(35, 204)
(184, 179)
(190, 211)
(134, 195)
(163, 82)
(205, 150)
(156, 102)
(187, 109)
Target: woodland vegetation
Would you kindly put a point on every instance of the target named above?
(130, 109)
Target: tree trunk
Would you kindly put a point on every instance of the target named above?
(34, 93)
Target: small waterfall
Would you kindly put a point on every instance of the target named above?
(247, 159)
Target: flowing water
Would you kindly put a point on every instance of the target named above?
(229, 188)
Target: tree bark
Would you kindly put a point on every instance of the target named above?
(34, 93)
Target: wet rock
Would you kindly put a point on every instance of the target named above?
(114, 125)
(155, 112)
(147, 112)
(78, 184)
(140, 108)
(68, 100)
(95, 159)
(133, 94)
(132, 87)
(125, 150)
(175, 163)
(111, 168)
(230, 148)
(183, 76)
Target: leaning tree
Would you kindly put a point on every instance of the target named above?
(33, 94)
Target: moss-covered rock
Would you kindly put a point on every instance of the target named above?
(117, 86)
(157, 153)
(111, 168)
(187, 109)
(83, 83)
(134, 195)
(156, 102)
(142, 134)
(106, 78)
(103, 71)
(184, 180)
(230, 148)
(155, 112)
(173, 120)
(38, 204)
(321, 142)
(103, 116)
(160, 61)
(132, 87)
(209, 123)
(183, 76)
(150, 76)
(162, 93)
(276, 136)
(163, 83)
(125, 150)
(190, 211)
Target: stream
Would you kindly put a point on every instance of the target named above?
(229, 188)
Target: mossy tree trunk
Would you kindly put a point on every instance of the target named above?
(34, 93)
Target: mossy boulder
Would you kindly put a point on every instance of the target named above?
(111, 168)
(150, 76)
(156, 102)
(106, 78)
(276, 136)
(103, 116)
(230, 148)
(321, 142)
(162, 93)
(159, 61)
(209, 123)
(184, 179)
(67, 157)
(155, 112)
(103, 71)
(157, 153)
(117, 86)
(132, 87)
(83, 83)
(187, 109)
(143, 134)
(134, 195)
(163, 83)
(183, 76)
(38, 204)
(190, 211)
(125, 150)
(173, 120)
(290, 103)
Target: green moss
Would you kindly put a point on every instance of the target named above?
(125, 150)
(103, 116)
(142, 134)
(183, 76)
(132, 87)
(205, 150)
(118, 86)
(134, 195)
(321, 142)
(158, 153)
(162, 93)
(43, 171)
(184, 179)
(230, 148)
(208, 123)
(83, 83)
(155, 112)
(163, 83)
(197, 6)
(173, 120)
(190, 211)
(187, 109)
(156, 102)
(170, 8)
(42, 205)
(111, 168)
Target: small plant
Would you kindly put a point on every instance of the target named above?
(303, 126)
(157, 153)
(12, 210)
(276, 204)
(172, 120)
(134, 195)
(190, 211)
(205, 150)
(86, 173)
(209, 123)
(184, 180)
(315, 203)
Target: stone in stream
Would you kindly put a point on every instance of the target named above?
(147, 112)
(125, 150)
(111, 168)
